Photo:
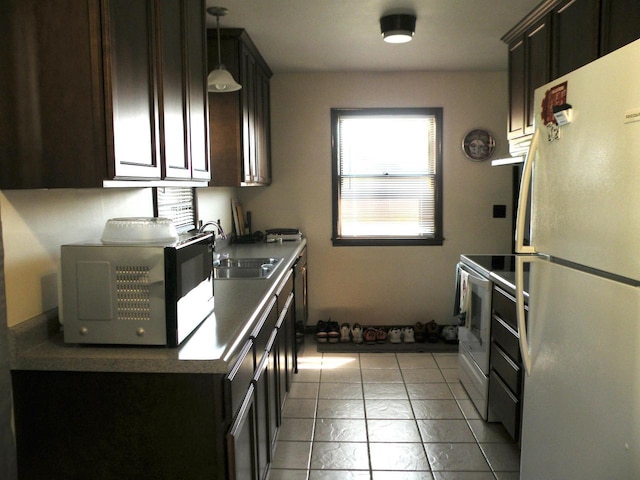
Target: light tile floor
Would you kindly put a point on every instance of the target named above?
(386, 416)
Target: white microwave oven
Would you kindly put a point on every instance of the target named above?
(154, 294)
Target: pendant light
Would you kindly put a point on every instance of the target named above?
(220, 80)
(397, 28)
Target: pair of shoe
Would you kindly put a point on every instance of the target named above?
(327, 331)
(374, 335)
(399, 335)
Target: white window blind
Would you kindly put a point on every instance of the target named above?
(387, 175)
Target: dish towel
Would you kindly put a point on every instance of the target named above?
(465, 292)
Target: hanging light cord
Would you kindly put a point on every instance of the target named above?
(219, 50)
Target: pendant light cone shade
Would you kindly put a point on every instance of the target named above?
(220, 80)
(398, 28)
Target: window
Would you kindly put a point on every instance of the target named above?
(387, 176)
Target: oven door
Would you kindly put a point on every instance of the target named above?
(474, 335)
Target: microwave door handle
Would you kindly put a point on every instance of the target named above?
(525, 187)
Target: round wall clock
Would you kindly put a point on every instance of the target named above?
(478, 145)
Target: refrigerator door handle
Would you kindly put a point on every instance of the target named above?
(525, 187)
(525, 349)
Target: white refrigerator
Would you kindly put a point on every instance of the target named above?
(581, 344)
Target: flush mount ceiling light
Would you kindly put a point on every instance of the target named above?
(220, 80)
(398, 28)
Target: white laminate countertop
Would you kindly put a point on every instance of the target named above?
(210, 349)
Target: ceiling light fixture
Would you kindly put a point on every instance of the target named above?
(220, 80)
(398, 28)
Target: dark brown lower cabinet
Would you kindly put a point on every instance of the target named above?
(162, 426)
(506, 380)
(81, 425)
(242, 441)
(261, 383)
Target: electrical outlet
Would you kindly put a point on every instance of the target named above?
(499, 211)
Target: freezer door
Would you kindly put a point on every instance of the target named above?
(581, 409)
(585, 192)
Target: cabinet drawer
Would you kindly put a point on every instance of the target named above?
(503, 405)
(263, 330)
(285, 288)
(507, 338)
(506, 369)
(504, 306)
(238, 380)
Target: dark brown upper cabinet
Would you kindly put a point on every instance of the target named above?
(557, 37)
(576, 25)
(103, 90)
(239, 122)
(620, 24)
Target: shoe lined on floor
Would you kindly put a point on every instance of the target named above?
(395, 335)
(321, 331)
(356, 333)
(345, 333)
(333, 332)
(407, 335)
(381, 335)
(370, 336)
(433, 331)
(420, 332)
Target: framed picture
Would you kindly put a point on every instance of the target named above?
(478, 145)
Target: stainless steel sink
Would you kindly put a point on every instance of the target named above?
(229, 268)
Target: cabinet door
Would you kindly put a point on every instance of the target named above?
(197, 89)
(620, 24)
(517, 88)
(262, 125)
(171, 91)
(129, 64)
(537, 66)
(575, 34)
(263, 436)
(248, 93)
(241, 442)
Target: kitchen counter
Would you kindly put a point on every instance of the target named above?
(38, 345)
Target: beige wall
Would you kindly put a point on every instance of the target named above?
(36, 222)
(377, 285)
(384, 285)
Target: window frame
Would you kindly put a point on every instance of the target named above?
(338, 240)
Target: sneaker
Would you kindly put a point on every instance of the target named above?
(381, 335)
(370, 336)
(356, 333)
(395, 335)
(420, 333)
(407, 335)
(333, 332)
(321, 331)
(345, 333)
(432, 330)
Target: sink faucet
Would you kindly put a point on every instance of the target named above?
(217, 225)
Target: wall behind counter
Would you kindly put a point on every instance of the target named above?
(384, 285)
(36, 222)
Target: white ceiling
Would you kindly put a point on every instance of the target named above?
(344, 35)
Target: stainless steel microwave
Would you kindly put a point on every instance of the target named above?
(136, 294)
